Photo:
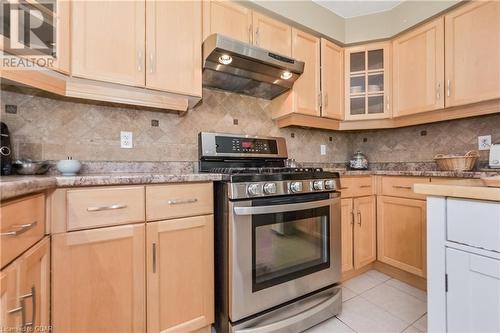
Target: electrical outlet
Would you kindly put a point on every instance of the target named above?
(484, 142)
(322, 149)
(126, 140)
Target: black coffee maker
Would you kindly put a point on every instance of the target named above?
(5, 151)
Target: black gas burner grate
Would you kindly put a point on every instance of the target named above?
(266, 170)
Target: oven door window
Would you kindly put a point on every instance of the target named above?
(289, 245)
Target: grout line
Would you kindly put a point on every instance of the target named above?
(407, 293)
(346, 323)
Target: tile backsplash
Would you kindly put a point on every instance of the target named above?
(52, 128)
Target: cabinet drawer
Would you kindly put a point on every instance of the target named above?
(474, 222)
(402, 186)
(178, 200)
(22, 225)
(356, 186)
(95, 207)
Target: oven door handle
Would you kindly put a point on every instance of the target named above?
(256, 210)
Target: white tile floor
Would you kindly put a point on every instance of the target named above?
(376, 303)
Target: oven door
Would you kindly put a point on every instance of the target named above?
(280, 249)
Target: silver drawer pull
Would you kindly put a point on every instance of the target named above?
(402, 186)
(364, 186)
(110, 207)
(180, 202)
(15, 310)
(19, 229)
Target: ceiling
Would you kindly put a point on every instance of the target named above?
(353, 8)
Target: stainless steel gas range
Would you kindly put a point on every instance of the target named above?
(277, 237)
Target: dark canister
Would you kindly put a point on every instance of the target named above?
(5, 150)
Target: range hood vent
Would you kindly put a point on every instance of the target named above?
(245, 69)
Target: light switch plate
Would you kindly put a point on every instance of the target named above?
(322, 149)
(126, 140)
(484, 142)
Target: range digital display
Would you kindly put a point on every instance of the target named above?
(226, 144)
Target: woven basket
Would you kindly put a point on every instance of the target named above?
(457, 163)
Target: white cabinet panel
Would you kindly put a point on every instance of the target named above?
(474, 222)
(473, 298)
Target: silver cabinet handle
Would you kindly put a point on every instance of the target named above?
(353, 218)
(19, 229)
(319, 100)
(250, 33)
(387, 102)
(180, 201)
(438, 91)
(139, 61)
(448, 88)
(31, 295)
(20, 309)
(406, 187)
(154, 257)
(364, 186)
(326, 100)
(359, 218)
(110, 207)
(257, 36)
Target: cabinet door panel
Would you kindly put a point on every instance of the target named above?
(180, 274)
(365, 233)
(347, 236)
(34, 283)
(173, 45)
(306, 90)
(227, 18)
(99, 280)
(402, 233)
(9, 299)
(272, 35)
(418, 70)
(108, 39)
(472, 47)
(332, 73)
(472, 300)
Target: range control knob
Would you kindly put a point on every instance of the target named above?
(296, 187)
(270, 188)
(330, 184)
(318, 185)
(254, 189)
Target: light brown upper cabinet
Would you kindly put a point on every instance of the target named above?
(173, 46)
(108, 39)
(418, 69)
(228, 19)
(99, 278)
(367, 81)
(472, 48)
(307, 97)
(180, 268)
(332, 80)
(272, 35)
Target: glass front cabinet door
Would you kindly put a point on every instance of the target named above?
(368, 82)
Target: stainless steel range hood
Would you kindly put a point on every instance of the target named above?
(246, 69)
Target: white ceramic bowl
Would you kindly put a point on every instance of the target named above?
(69, 167)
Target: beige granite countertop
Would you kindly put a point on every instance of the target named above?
(459, 191)
(13, 186)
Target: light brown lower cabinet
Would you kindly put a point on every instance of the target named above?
(402, 233)
(25, 290)
(358, 232)
(98, 280)
(180, 274)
